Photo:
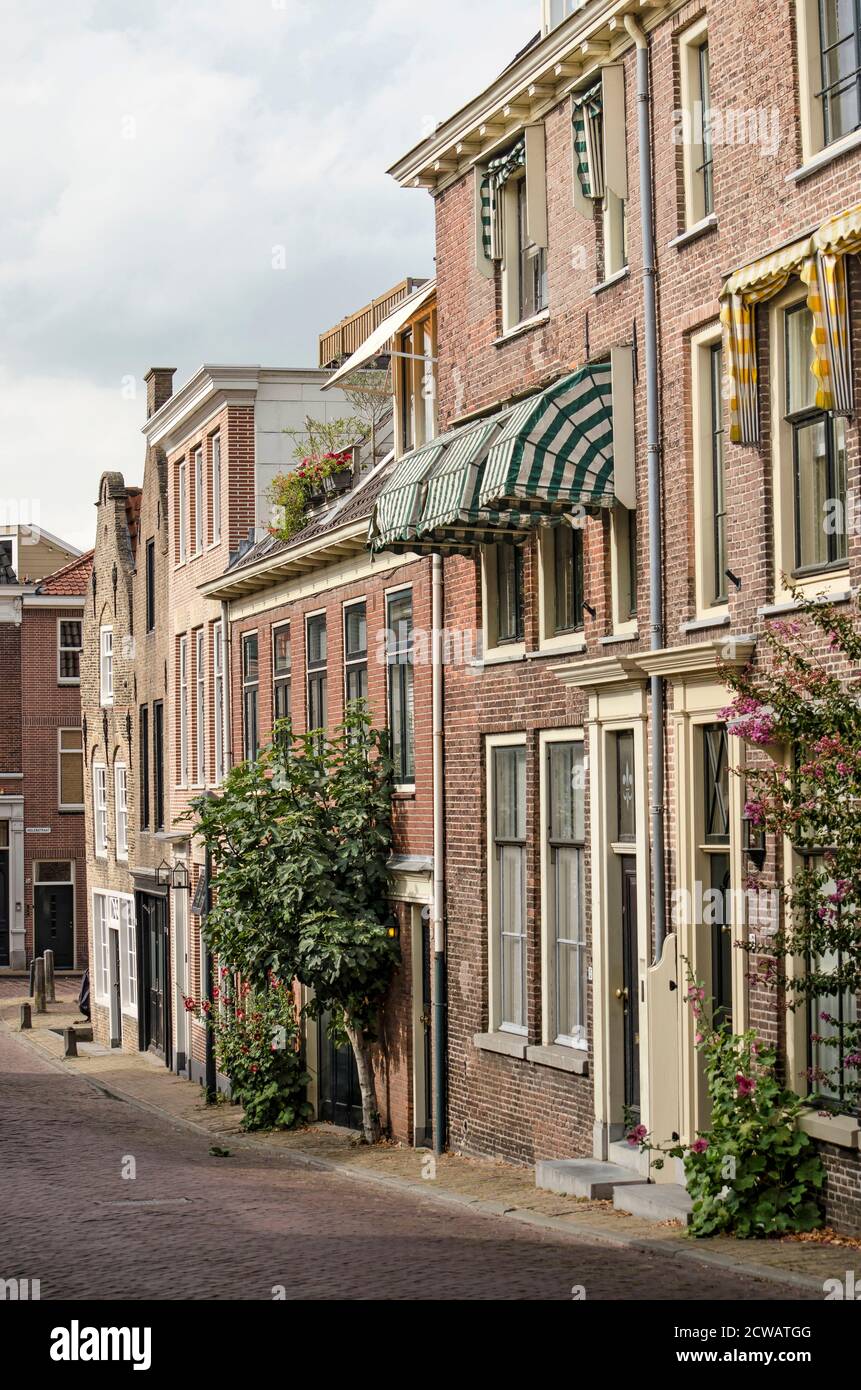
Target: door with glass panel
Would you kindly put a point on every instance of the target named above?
(509, 849)
(716, 855)
(627, 990)
(4, 892)
(566, 894)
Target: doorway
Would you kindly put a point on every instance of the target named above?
(153, 920)
(182, 981)
(114, 985)
(630, 988)
(4, 892)
(54, 912)
(340, 1097)
(421, 942)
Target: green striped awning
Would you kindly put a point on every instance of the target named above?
(587, 115)
(497, 174)
(497, 477)
(556, 448)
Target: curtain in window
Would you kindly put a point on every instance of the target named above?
(498, 172)
(819, 262)
(588, 118)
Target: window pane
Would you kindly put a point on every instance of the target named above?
(570, 945)
(356, 630)
(281, 655)
(56, 872)
(839, 46)
(568, 567)
(509, 593)
(625, 789)
(716, 779)
(812, 491)
(567, 795)
(317, 646)
(512, 891)
(72, 779)
(800, 382)
(250, 665)
(510, 793)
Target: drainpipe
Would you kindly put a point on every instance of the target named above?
(438, 918)
(656, 602)
(209, 1072)
(227, 702)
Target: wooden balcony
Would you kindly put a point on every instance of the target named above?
(348, 335)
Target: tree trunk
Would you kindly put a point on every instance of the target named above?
(362, 1053)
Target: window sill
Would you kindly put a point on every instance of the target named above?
(68, 680)
(842, 1130)
(501, 656)
(693, 233)
(556, 648)
(526, 326)
(776, 610)
(405, 793)
(560, 1058)
(506, 1044)
(703, 624)
(610, 280)
(825, 157)
(616, 637)
(70, 810)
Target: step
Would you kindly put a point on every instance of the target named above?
(628, 1156)
(583, 1177)
(655, 1202)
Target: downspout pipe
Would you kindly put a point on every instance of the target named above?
(656, 599)
(227, 692)
(438, 905)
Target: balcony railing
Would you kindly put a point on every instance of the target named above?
(348, 335)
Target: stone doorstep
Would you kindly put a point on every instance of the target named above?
(655, 1202)
(584, 1177)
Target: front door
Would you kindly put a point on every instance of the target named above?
(721, 933)
(154, 949)
(340, 1097)
(630, 987)
(4, 897)
(116, 1009)
(427, 1022)
(54, 910)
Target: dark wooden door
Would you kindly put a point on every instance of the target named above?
(116, 990)
(154, 944)
(340, 1097)
(4, 907)
(630, 986)
(427, 1021)
(721, 939)
(55, 922)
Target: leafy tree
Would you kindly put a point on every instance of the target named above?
(300, 839)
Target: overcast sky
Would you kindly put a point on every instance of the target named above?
(153, 155)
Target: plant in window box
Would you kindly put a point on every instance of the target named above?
(296, 493)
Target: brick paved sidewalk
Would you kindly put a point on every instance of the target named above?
(483, 1186)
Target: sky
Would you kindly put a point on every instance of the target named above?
(154, 160)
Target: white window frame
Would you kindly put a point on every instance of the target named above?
(183, 711)
(115, 912)
(548, 638)
(615, 209)
(61, 679)
(200, 708)
(128, 956)
(809, 84)
(549, 22)
(492, 651)
(106, 665)
(101, 962)
(825, 581)
(549, 956)
(121, 810)
(391, 596)
(693, 148)
(702, 344)
(494, 953)
(199, 501)
(218, 698)
(182, 511)
(13, 541)
(534, 175)
(216, 488)
(100, 810)
(66, 753)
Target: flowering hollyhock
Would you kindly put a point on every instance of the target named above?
(189, 1004)
(699, 1146)
(636, 1136)
(745, 1085)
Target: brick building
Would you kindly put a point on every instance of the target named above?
(608, 172)
(43, 889)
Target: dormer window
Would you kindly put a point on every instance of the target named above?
(556, 11)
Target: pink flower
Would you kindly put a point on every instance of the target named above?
(698, 1038)
(637, 1136)
(699, 1146)
(745, 1084)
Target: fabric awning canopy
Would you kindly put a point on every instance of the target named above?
(376, 342)
(499, 476)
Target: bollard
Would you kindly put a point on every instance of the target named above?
(39, 1005)
(50, 991)
(32, 976)
(70, 1039)
(26, 1020)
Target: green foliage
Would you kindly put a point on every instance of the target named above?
(291, 493)
(256, 1036)
(753, 1172)
(807, 705)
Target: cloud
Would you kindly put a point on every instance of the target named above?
(154, 156)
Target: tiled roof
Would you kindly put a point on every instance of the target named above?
(73, 579)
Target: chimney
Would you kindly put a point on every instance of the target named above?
(159, 388)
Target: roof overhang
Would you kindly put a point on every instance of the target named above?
(377, 341)
(208, 390)
(535, 83)
(342, 543)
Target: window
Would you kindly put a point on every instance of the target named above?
(828, 1044)
(710, 502)
(509, 592)
(129, 946)
(199, 502)
(150, 585)
(599, 145)
(508, 819)
(316, 658)
(115, 912)
(216, 489)
(158, 763)
(555, 11)
(100, 810)
(565, 896)
(718, 481)
(250, 692)
(716, 811)
(9, 554)
(415, 383)
(69, 646)
(106, 665)
(200, 708)
(218, 688)
(282, 666)
(143, 739)
(511, 225)
(183, 711)
(71, 742)
(182, 512)
(101, 980)
(567, 578)
(399, 625)
(626, 823)
(696, 131)
(532, 284)
(121, 809)
(840, 70)
(356, 652)
(818, 454)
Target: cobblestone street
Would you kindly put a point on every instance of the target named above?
(192, 1225)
